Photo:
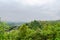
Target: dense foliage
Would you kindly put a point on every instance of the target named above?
(35, 30)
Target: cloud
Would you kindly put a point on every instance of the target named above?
(34, 2)
(27, 10)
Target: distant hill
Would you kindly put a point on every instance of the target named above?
(15, 23)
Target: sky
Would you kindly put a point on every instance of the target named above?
(28, 10)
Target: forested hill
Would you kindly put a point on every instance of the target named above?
(36, 23)
(34, 30)
(32, 24)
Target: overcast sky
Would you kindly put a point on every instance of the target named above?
(28, 10)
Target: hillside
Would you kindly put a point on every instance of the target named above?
(34, 30)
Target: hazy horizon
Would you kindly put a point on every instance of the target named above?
(28, 10)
